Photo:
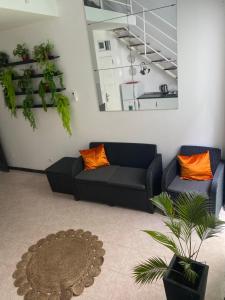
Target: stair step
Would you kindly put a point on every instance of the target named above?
(170, 68)
(150, 52)
(126, 36)
(120, 28)
(136, 45)
(159, 60)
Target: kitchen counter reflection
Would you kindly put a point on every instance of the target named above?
(158, 95)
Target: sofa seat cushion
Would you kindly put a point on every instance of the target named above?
(99, 175)
(133, 178)
(179, 185)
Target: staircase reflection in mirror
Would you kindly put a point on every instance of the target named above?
(133, 47)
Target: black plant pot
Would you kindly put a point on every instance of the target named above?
(177, 288)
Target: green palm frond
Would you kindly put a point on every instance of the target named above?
(209, 227)
(191, 208)
(175, 228)
(189, 273)
(149, 271)
(165, 241)
(164, 203)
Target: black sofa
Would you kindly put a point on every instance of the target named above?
(133, 177)
(213, 189)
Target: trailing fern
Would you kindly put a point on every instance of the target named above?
(63, 107)
(27, 110)
(6, 79)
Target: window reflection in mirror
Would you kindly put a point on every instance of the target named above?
(134, 53)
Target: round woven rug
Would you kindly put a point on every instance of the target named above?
(59, 266)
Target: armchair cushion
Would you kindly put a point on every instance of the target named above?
(179, 185)
(134, 178)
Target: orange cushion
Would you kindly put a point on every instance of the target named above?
(195, 167)
(94, 157)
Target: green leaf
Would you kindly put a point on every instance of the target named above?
(175, 227)
(63, 108)
(164, 203)
(191, 208)
(189, 273)
(165, 241)
(210, 226)
(149, 271)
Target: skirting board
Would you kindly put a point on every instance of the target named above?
(27, 170)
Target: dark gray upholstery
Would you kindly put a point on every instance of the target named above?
(133, 177)
(212, 190)
(101, 175)
(186, 186)
(129, 154)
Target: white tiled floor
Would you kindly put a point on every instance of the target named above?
(30, 211)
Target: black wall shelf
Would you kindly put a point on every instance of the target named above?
(35, 76)
(26, 62)
(36, 92)
(38, 106)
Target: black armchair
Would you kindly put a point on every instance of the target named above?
(213, 189)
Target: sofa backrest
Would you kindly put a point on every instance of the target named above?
(129, 154)
(215, 154)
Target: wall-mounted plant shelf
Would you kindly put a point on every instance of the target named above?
(36, 92)
(38, 106)
(34, 76)
(26, 62)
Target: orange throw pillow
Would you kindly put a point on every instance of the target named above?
(94, 157)
(195, 167)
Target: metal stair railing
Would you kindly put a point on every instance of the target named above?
(144, 11)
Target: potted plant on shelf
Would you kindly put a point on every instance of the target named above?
(184, 278)
(21, 51)
(43, 52)
(4, 59)
(6, 80)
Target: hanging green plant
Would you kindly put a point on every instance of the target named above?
(25, 83)
(43, 52)
(63, 107)
(28, 103)
(49, 73)
(42, 94)
(47, 84)
(6, 80)
(21, 51)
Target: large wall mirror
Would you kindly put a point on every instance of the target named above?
(134, 53)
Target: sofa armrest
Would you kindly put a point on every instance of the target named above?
(154, 176)
(169, 174)
(77, 167)
(217, 190)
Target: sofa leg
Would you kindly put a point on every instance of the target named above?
(111, 204)
(75, 198)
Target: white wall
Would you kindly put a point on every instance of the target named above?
(35, 6)
(199, 120)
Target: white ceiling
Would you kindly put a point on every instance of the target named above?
(12, 18)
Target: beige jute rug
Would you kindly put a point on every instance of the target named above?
(59, 266)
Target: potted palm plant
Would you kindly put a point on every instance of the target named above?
(188, 218)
